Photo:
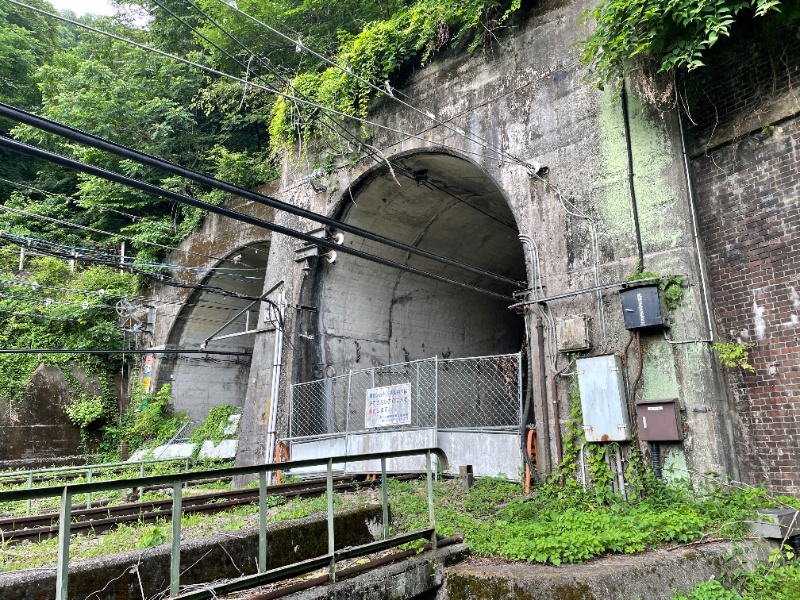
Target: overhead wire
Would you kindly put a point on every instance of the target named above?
(118, 149)
(116, 259)
(370, 151)
(64, 161)
(110, 233)
(383, 91)
(219, 73)
(240, 191)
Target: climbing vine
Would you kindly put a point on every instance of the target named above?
(672, 36)
(734, 354)
(378, 54)
(670, 285)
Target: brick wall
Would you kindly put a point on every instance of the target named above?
(748, 196)
(743, 74)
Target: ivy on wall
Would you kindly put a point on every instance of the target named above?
(672, 36)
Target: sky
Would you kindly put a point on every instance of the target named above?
(97, 7)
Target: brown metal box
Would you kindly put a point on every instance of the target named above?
(659, 420)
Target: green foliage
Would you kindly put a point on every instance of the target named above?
(778, 580)
(379, 53)
(149, 420)
(672, 36)
(733, 354)
(670, 285)
(560, 524)
(213, 428)
(33, 316)
(85, 410)
(152, 536)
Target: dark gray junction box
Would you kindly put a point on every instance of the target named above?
(659, 420)
(641, 307)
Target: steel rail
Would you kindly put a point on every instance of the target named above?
(39, 527)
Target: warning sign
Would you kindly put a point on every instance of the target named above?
(390, 405)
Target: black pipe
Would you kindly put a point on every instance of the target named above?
(70, 163)
(145, 159)
(655, 457)
(64, 351)
(629, 147)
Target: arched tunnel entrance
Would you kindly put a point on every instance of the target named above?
(369, 315)
(219, 323)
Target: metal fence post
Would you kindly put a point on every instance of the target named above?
(349, 389)
(417, 393)
(141, 469)
(30, 485)
(431, 515)
(262, 521)
(64, 520)
(175, 555)
(384, 500)
(331, 544)
(89, 495)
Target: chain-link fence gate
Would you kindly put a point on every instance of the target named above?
(470, 407)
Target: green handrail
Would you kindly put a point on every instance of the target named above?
(176, 480)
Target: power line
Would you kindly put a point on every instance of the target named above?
(369, 150)
(384, 91)
(218, 73)
(119, 261)
(151, 351)
(63, 161)
(102, 231)
(125, 152)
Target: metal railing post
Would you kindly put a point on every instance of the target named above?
(431, 515)
(331, 544)
(262, 521)
(175, 554)
(384, 500)
(141, 469)
(89, 495)
(416, 388)
(30, 485)
(64, 521)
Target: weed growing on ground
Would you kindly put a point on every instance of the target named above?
(566, 524)
(778, 580)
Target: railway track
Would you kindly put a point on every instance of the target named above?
(41, 527)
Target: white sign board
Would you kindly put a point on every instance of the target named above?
(390, 405)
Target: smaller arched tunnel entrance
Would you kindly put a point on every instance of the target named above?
(378, 327)
(210, 320)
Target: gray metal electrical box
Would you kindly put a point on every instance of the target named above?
(641, 307)
(659, 420)
(573, 334)
(605, 411)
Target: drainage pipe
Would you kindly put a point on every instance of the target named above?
(526, 407)
(272, 404)
(631, 187)
(540, 390)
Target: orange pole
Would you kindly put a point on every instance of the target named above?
(280, 446)
(533, 451)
